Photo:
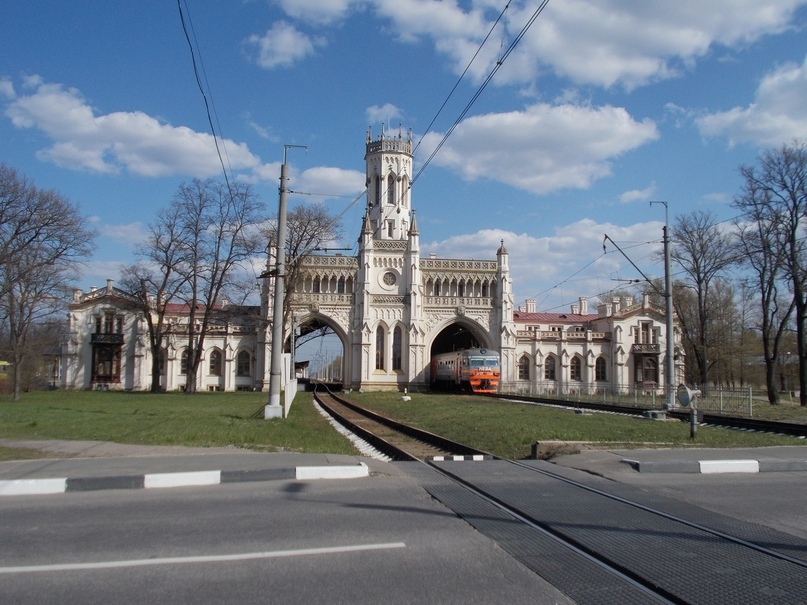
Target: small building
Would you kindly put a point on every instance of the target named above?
(621, 348)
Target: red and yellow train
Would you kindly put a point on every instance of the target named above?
(474, 370)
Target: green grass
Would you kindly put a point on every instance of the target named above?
(509, 429)
(225, 419)
(201, 420)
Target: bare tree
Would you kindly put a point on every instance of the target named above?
(155, 281)
(779, 186)
(310, 228)
(760, 252)
(43, 239)
(704, 252)
(219, 236)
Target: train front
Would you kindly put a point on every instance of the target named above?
(483, 371)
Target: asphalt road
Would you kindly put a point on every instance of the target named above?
(375, 540)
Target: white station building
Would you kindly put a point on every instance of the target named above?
(391, 310)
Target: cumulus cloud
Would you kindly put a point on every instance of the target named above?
(542, 149)
(383, 114)
(626, 43)
(120, 141)
(282, 45)
(326, 181)
(320, 12)
(776, 116)
(557, 269)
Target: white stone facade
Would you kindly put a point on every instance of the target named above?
(391, 310)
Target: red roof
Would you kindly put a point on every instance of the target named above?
(537, 318)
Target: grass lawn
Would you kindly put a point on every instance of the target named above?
(509, 429)
(226, 419)
(200, 420)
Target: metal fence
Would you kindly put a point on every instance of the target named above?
(718, 400)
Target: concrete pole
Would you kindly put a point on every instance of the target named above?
(274, 409)
(669, 312)
(669, 370)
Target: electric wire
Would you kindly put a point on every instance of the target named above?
(481, 88)
(204, 95)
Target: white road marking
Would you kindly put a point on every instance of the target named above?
(202, 559)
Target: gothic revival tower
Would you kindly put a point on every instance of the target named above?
(388, 281)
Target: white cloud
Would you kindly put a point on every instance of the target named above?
(638, 195)
(777, 115)
(120, 141)
(282, 45)
(542, 149)
(604, 43)
(127, 234)
(317, 12)
(326, 181)
(7, 88)
(557, 269)
(95, 273)
(383, 114)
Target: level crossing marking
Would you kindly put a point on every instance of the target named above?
(201, 559)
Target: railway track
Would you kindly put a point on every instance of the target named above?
(393, 439)
(597, 544)
(774, 427)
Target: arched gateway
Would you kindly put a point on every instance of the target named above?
(390, 308)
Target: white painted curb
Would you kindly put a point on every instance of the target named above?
(333, 472)
(729, 466)
(181, 479)
(23, 487)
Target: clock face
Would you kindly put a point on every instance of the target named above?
(390, 278)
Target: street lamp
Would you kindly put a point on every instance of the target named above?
(274, 409)
(670, 365)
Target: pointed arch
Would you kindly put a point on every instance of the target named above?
(550, 369)
(524, 367)
(397, 349)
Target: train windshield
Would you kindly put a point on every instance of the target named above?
(484, 362)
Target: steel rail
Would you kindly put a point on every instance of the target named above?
(791, 429)
(623, 573)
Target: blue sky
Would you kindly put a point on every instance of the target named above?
(603, 106)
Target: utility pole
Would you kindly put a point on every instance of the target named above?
(670, 365)
(274, 409)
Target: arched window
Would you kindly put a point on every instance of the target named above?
(183, 362)
(397, 348)
(242, 364)
(575, 369)
(600, 373)
(391, 189)
(379, 348)
(377, 199)
(315, 286)
(549, 368)
(215, 363)
(524, 368)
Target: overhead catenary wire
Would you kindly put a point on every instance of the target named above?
(202, 89)
(481, 88)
